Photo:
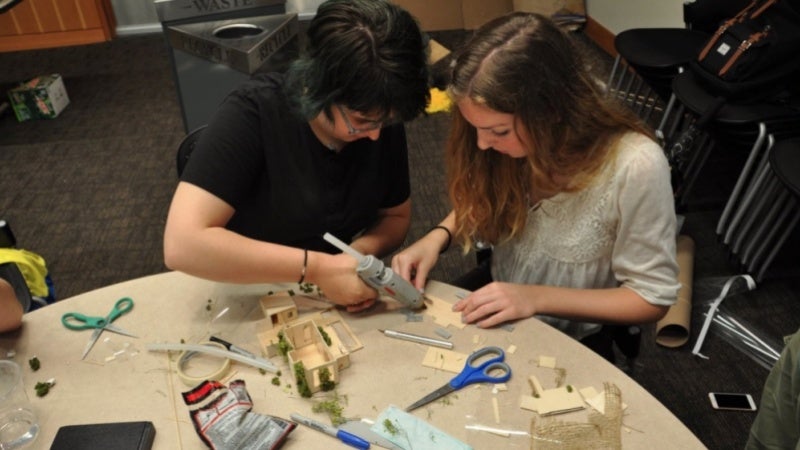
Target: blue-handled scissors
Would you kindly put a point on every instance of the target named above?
(492, 370)
(78, 321)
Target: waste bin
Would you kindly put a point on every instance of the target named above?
(215, 46)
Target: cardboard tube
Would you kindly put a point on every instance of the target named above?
(673, 329)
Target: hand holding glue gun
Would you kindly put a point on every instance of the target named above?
(383, 279)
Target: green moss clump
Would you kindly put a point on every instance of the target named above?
(283, 345)
(325, 336)
(332, 406)
(42, 388)
(300, 378)
(326, 384)
(390, 427)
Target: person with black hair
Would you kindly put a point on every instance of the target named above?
(321, 148)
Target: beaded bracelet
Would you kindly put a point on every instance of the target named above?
(449, 237)
(305, 264)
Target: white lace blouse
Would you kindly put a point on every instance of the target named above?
(620, 231)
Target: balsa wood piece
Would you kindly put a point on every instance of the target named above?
(442, 312)
(547, 361)
(597, 400)
(500, 387)
(551, 401)
(442, 359)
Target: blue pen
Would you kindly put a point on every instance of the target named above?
(348, 438)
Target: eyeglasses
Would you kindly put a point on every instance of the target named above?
(369, 125)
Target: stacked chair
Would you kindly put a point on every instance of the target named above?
(763, 211)
(649, 74)
(734, 129)
(649, 58)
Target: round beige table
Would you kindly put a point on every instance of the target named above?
(121, 381)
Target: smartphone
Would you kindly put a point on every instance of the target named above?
(732, 401)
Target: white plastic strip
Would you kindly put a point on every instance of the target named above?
(497, 431)
(261, 364)
(751, 284)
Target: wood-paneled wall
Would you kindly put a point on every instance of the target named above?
(35, 24)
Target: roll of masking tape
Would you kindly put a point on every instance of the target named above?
(216, 374)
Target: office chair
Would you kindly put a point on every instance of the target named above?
(9, 270)
(186, 148)
(7, 238)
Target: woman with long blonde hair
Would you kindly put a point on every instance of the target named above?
(567, 187)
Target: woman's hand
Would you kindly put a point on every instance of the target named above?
(496, 303)
(336, 277)
(415, 262)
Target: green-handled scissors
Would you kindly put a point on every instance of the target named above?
(78, 321)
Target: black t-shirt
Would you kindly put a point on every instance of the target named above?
(285, 186)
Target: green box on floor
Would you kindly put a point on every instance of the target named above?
(43, 97)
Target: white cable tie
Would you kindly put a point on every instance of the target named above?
(497, 431)
(760, 350)
(753, 336)
(728, 325)
(751, 284)
(261, 364)
(745, 336)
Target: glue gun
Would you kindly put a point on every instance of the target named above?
(376, 274)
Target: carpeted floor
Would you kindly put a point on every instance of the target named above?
(90, 189)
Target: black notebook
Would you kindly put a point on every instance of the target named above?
(106, 436)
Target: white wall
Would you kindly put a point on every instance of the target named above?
(620, 15)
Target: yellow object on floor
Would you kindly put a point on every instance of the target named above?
(440, 102)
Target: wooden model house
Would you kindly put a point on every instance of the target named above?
(317, 346)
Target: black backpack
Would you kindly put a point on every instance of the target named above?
(754, 55)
